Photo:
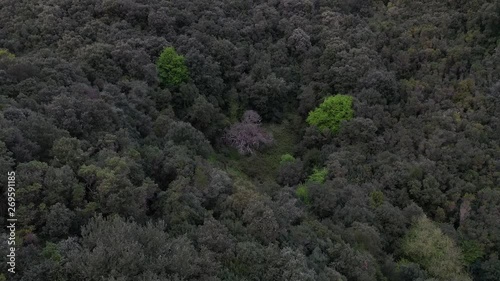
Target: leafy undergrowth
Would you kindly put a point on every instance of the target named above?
(240, 179)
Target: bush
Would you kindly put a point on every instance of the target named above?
(318, 175)
(286, 158)
(303, 194)
(290, 173)
(331, 113)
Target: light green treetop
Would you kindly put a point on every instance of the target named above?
(287, 158)
(171, 67)
(331, 112)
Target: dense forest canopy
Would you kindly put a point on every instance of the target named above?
(251, 140)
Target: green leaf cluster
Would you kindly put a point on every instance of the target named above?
(331, 113)
(303, 194)
(472, 251)
(286, 158)
(171, 68)
(318, 175)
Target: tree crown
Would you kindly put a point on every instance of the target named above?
(171, 67)
(331, 113)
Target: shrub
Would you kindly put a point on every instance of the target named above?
(377, 198)
(286, 158)
(472, 251)
(331, 113)
(6, 53)
(303, 194)
(51, 252)
(318, 175)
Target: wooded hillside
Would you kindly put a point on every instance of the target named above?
(240, 140)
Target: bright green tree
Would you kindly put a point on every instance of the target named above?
(171, 67)
(331, 112)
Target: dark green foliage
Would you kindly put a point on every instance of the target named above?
(114, 188)
(182, 133)
(261, 222)
(171, 67)
(490, 269)
(59, 219)
(6, 53)
(480, 223)
(142, 250)
(286, 158)
(68, 151)
(51, 252)
(111, 132)
(302, 193)
(290, 173)
(471, 251)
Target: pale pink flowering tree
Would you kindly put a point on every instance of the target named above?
(247, 135)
